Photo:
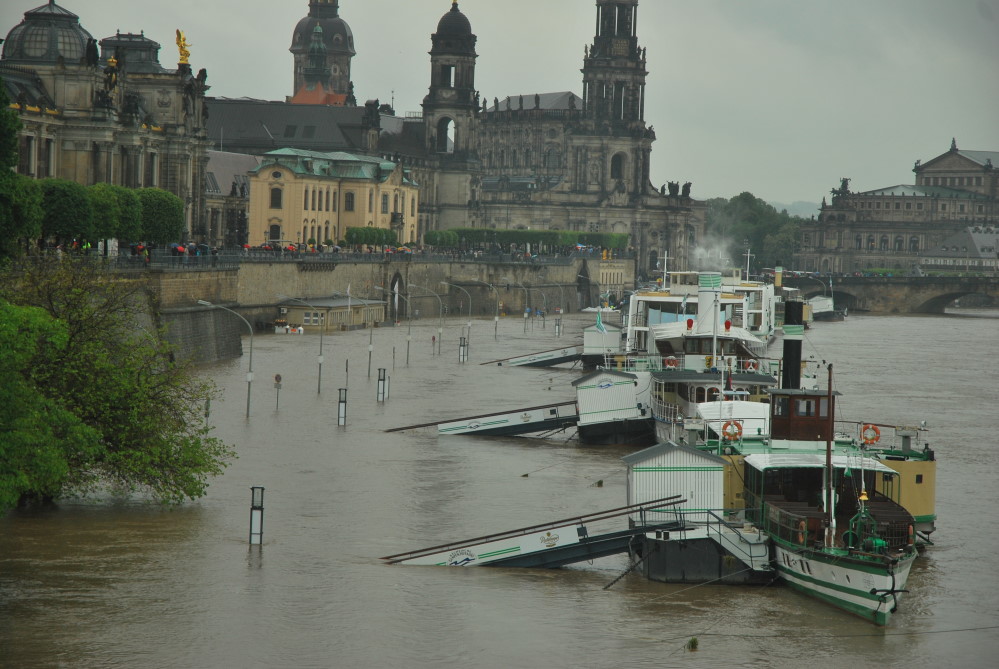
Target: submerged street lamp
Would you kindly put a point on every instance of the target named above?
(322, 328)
(249, 373)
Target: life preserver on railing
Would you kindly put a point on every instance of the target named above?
(870, 434)
(801, 531)
(912, 536)
(731, 430)
(709, 361)
(671, 362)
(752, 365)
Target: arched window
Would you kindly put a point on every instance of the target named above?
(870, 242)
(527, 158)
(336, 196)
(385, 203)
(348, 201)
(395, 203)
(913, 244)
(305, 198)
(552, 158)
(371, 201)
(617, 166)
(899, 243)
(276, 198)
(859, 242)
(313, 199)
(275, 231)
(884, 242)
(446, 135)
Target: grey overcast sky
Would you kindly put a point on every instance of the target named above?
(780, 98)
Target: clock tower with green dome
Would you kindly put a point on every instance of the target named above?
(337, 38)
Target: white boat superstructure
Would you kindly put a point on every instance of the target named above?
(748, 305)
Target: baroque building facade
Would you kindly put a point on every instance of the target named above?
(107, 111)
(906, 226)
(297, 196)
(553, 161)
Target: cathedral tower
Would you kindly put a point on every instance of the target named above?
(450, 106)
(337, 38)
(614, 69)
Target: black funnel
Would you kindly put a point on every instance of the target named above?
(794, 332)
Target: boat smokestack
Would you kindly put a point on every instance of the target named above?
(708, 289)
(794, 332)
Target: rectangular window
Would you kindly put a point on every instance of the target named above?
(943, 207)
(290, 130)
(385, 203)
(960, 208)
(919, 478)
(919, 206)
(908, 205)
(877, 206)
(978, 181)
(898, 205)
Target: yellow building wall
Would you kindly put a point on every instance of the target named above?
(317, 207)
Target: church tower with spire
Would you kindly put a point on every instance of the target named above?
(338, 41)
(450, 107)
(614, 68)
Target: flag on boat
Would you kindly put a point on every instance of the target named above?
(600, 324)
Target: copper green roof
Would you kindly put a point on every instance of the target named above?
(334, 165)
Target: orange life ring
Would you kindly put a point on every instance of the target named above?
(752, 365)
(801, 531)
(870, 434)
(672, 362)
(709, 361)
(731, 430)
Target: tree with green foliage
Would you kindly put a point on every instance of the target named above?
(162, 216)
(772, 235)
(21, 213)
(41, 440)
(20, 196)
(106, 212)
(68, 214)
(129, 215)
(125, 415)
(10, 125)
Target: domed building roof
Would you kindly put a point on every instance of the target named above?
(454, 34)
(454, 23)
(336, 33)
(45, 34)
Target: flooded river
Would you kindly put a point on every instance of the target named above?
(110, 583)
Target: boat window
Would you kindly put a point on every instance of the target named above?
(805, 408)
(713, 394)
(699, 395)
(824, 407)
(780, 406)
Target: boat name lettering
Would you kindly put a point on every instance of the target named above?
(604, 385)
(526, 417)
(549, 540)
(460, 558)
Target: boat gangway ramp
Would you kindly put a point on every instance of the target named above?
(548, 545)
(547, 418)
(555, 356)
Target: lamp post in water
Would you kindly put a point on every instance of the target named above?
(322, 328)
(249, 373)
(409, 310)
(445, 283)
(496, 315)
(440, 324)
(350, 315)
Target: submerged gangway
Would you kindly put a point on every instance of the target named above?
(548, 545)
(544, 418)
(542, 358)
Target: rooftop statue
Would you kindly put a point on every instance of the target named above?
(182, 45)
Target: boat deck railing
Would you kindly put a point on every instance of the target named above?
(693, 362)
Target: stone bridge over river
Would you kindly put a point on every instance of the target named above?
(905, 295)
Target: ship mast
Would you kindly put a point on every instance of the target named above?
(828, 491)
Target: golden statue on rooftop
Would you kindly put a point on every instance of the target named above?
(182, 45)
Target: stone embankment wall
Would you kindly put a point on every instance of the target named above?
(253, 290)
